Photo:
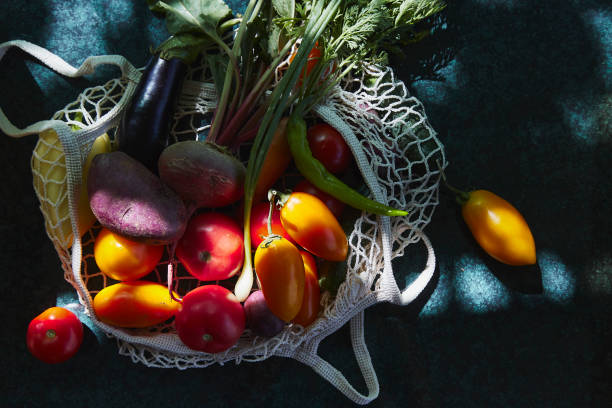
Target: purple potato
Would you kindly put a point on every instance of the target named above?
(259, 318)
(130, 200)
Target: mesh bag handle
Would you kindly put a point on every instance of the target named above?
(60, 66)
(307, 352)
(388, 291)
(70, 139)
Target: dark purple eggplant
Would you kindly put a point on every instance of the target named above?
(145, 125)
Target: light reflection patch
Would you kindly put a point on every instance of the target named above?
(477, 290)
(441, 298)
(559, 282)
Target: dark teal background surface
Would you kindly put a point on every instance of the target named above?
(520, 93)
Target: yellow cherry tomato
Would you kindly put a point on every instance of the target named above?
(123, 259)
(280, 272)
(498, 228)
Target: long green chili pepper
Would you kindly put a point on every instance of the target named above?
(315, 172)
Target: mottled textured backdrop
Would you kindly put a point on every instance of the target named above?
(520, 93)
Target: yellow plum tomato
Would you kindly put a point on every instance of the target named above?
(499, 228)
(135, 304)
(280, 272)
(312, 292)
(314, 227)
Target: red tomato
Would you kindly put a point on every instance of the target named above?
(313, 226)
(135, 304)
(280, 273)
(259, 223)
(313, 58)
(336, 206)
(328, 146)
(312, 293)
(123, 259)
(55, 335)
(212, 247)
(210, 319)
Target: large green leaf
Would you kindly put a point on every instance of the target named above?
(192, 16)
(284, 8)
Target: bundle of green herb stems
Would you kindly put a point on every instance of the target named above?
(280, 101)
(348, 32)
(377, 24)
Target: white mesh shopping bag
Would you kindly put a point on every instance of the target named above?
(396, 151)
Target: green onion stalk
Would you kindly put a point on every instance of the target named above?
(280, 101)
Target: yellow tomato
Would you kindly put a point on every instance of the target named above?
(280, 272)
(135, 304)
(123, 259)
(499, 228)
(314, 227)
(312, 292)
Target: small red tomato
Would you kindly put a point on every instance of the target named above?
(259, 224)
(280, 273)
(313, 59)
(328, 146)
(55, 335)
(212, 247)
(123, 259)
(336, 206)
(210, 319)
(313, 226)
(312, 292)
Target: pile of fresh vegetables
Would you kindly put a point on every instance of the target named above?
(255, 211)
